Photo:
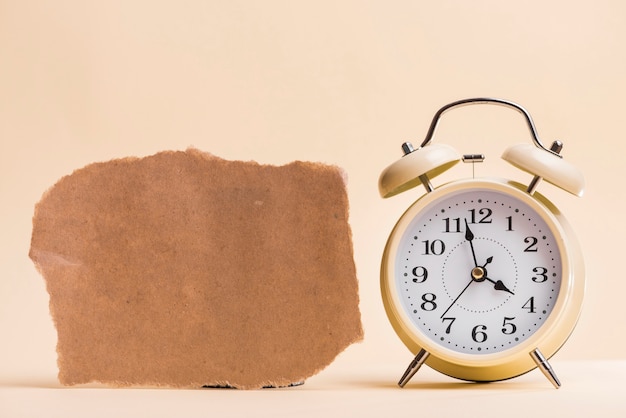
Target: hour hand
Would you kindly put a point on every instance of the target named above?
(498, 285)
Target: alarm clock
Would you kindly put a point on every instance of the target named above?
(482, 278)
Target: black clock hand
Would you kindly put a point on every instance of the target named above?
(489, 260)
(498, 285)
(470, 237)
(457, 298)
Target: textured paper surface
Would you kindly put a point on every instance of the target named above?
(182, 269)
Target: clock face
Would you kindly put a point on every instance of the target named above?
(477, 271)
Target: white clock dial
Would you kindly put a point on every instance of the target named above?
(478, 271)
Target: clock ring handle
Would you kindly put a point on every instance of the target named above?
(488, 100)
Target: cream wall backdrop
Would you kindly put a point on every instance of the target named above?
(340, 82)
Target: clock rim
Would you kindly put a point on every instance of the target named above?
(548, 338)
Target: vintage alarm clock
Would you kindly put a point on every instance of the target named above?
(482, 278)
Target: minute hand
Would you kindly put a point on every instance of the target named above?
(469, 236)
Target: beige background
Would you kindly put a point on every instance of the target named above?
(341, 82)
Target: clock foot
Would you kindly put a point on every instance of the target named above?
(417, 362)
(545, 367)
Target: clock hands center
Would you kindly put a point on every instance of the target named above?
(479, 274)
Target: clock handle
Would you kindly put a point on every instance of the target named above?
(418, 166)
(542, 162)
(487, 100)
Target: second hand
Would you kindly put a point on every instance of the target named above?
(457, 298)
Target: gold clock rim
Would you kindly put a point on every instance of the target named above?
(514, 361)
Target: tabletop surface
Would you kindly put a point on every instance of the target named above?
(588, 387)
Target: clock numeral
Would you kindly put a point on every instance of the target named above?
(420, 273)
(532, 244)
(530, 305)
(509, 223)
(542, 275)
(449, 327)
(436, 247)
(508, 327)
(429, 302)
(484, 212)
(452, 225)
(478, 333)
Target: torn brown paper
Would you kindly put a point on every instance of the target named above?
(182, 269)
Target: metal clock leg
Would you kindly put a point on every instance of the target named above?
(417, 362)
(545, 367)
